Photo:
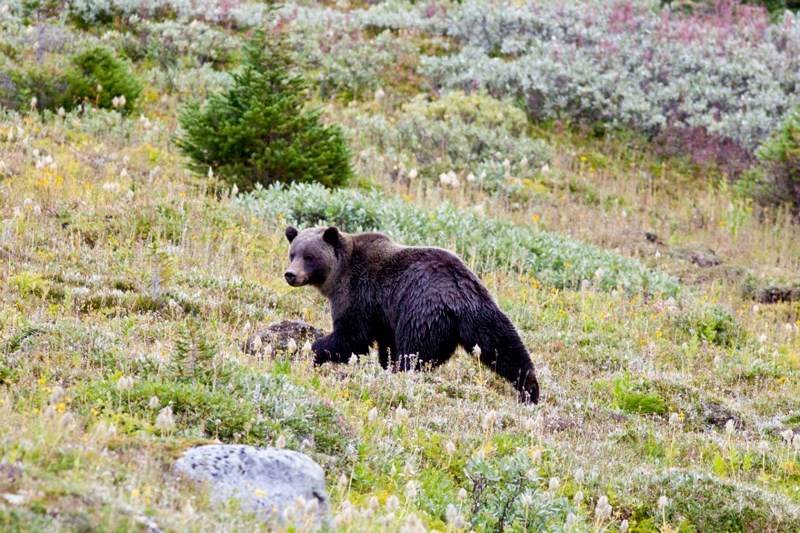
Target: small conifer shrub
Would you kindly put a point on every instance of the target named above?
(780, 156)
(100, 78)
(259, 131)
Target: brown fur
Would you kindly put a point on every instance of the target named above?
(418, 304)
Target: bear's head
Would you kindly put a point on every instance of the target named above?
(312, 256)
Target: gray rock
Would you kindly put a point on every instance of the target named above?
(277, 336)
(278, 485)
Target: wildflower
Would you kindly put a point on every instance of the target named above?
(762, 447)
(489, 420)
(579, 475)
(112, 187)
(623, 527)
(372, 416)
(341, 484)
(471, 177)
(663, 501)
(256, 344)
(450, 447)
(578, 498)
(476, 351)
(392, 503)
(413, 525)
(401, 414)
(153, 403)
(554, 484)
(412, 174)
(291, 346)
(674, 420)
(124, 384)
(462, 494)
(346, 513)
(787, 435)
(380, 94)
(165, 422)
(306, 349)
(603, 509)
(523, 163)
(373, 503)
(796, 442)
(33, 104)
(730, 427)
(453, 516)
(280, 442)
(57, 395)
(571, 522)
(411, 490)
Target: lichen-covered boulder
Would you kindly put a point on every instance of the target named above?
(277, 336)
(281, 486)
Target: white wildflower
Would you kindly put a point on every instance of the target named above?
(663, 501)
(462, 494)
(603, 509)
(154, 403)
(411, 490)
(306, 349)
(112, 187)
(730, 427)
(412, 174)
(372, 416)
(291, 346)
(453, 516)
(57, 395)
(553, 485)
(256, 344)
(450, 447)
(489, 420)
(392, 503)
(578, 498)
(623, 527)
(400, 414)
(165, 422)
(341, 484)
(124, 384)
(280, 442)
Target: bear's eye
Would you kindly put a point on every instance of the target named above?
(308, 257)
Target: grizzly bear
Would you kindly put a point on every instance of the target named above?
(418, 304)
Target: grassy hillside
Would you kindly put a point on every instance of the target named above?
(670, 392)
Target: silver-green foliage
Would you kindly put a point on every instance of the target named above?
(487, 244)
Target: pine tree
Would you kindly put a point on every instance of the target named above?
(259, 131)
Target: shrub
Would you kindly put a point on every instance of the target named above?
(486, 243)
(258, 131)
(636, 398)
(101, 78)
(505, 494)
(464, 133)
(780, 155)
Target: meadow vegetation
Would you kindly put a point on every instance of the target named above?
(612, 170)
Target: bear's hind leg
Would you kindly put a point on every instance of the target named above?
(502, 350)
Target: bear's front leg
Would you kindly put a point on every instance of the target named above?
(340, 345)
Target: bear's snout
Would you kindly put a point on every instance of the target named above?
(291, 278)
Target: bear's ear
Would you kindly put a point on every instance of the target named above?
(291, 233)
(331, 236)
